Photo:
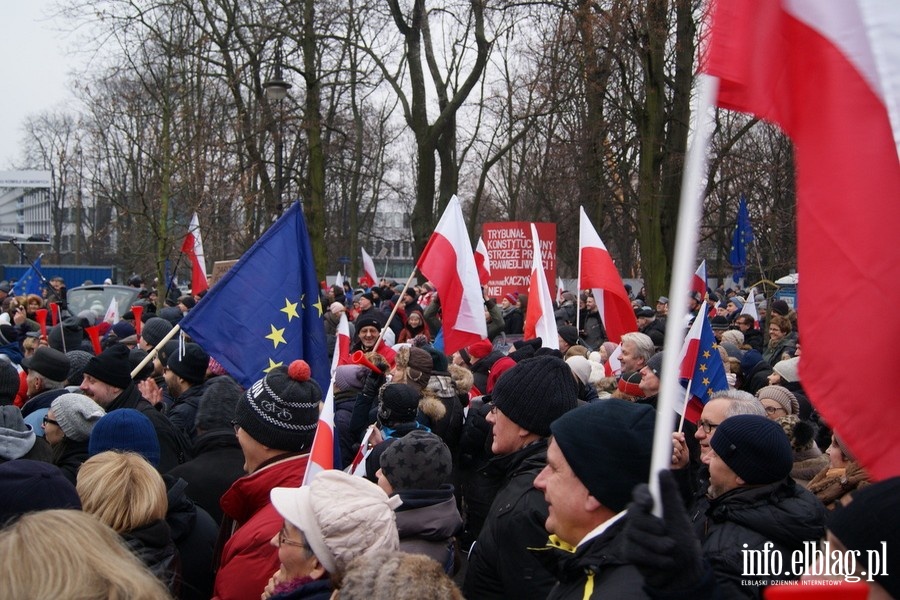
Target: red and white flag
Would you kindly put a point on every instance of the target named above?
(112, 312)
(193, 247)
(698, 282)
(449, 264)
(598, 273)
(369, 278)
(613, 365)
(339, 279)
(482, 262)
(829, 74)
(342, 344)
(560, 289)
(325, 453)
(750, 307)
(358, 466)
(539, 319)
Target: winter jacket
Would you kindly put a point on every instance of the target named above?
(68, 455)
(248, 560)
(513, 321)
(500, 563)
(592, 333)
(218, 462)
(746, 518)
(755, 372)
(183, 411)
(773, 354)
(321, 589)
(427, 521)
(153, 545)
(42, 400)
(13, 352)
(344, 400)
(754, 339)
(174, 445)
(194, 533)
(448, 426)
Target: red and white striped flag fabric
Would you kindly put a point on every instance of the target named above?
(539, 319)
(449, 264)
(325, 453)
(829, 74)
(193, 247)
(750, 307)
(369, 278)
(698, 282)
(598, 273)
(341, 344)
(613, 365)
(482, 262)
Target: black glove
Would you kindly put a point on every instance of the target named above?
(373, 383)
(665, 550)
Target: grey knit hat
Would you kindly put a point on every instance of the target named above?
(76, 415)
(782, 396)
(419, 460)
(217, 407)
(536, 392)
(281, 410)
(154, 330)
(350, 377)
(788, 369)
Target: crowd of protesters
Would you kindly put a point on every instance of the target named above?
(504, 470)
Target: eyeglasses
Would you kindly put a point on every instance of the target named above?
(771, 410)
(707, 426)
(284, 539)
(45, 421)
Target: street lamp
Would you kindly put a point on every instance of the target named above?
(276, 91)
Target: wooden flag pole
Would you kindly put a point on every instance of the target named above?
(393, 313)
(154, 351)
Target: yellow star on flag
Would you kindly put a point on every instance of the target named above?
(277, 336)
(706, 381)
(318, 306)
(706, 354)
(703, 367)
(290, 309)
(272, 365)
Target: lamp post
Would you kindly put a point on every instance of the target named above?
(276, 91)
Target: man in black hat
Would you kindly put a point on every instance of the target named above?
(526, 399)
(185, 375)
(48, 370)
(648, 324)
(107, 379)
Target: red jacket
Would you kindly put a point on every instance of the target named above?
(248, 558)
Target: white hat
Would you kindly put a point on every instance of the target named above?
(341, 516)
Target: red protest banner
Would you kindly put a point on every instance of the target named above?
(509, 250)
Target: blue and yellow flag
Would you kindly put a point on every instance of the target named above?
(743, 236)
(265, 312)
(30, 282)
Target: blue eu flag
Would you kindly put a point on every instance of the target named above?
(265, 312)
(30, 282)
(743, 235)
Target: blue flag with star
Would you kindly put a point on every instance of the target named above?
(265, 312)
(30, 282)
(743, 235)
(708, 373)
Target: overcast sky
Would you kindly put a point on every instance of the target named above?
(34, 67)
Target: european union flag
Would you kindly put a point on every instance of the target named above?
(30, 282)
(265, 312)
(743, 236)
(701, 367)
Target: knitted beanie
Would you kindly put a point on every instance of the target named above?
(733, 336)
(780, 307)
(154, 330)
(125, 430)
(190, 365)
(869, 521)
(718, 323)
(737, 301)
(788, 369)
(30, 485)
(655, 364)
(341, 516)
(782, 396)
(386, 575)
(620, 432)
(76, 414)
(420, 460)
(350, 377)
(78, 360)
(217, 407)
(9, 382)
(569, 334)
(630, 384)
(172, 314)
(135, 357)
(49, 362)
(123, 329)
(755, 448)
(399, 403)
(497, 369)
(281, 410)
(536, 392)
(581, 368)
(111, 366)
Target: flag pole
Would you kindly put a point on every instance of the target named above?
(689, 214)
(578, 285)
(687, 398)
(393, 312)
(154, 351)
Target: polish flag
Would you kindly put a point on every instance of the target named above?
(112, 312)
(358, 466)
(560, 288)
(613, 365)
(829, 74)
(342, 344)
(598, 273)
(449, 264)
(539, 319)
(369, 278)
(750, 307)
(325, 454)
(339, 279)
(482, 262)
(698, 282)
(193, 247)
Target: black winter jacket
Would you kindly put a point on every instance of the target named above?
(194, 533)
(183, 411)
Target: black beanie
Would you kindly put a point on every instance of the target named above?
(154, 330)
(190, 366)
(281, 410)
(621, 433)
(419, 460)
(111, 366)
(655, 364)
(399, 403)
(536, 392)
(30, 485)
(756, 448)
